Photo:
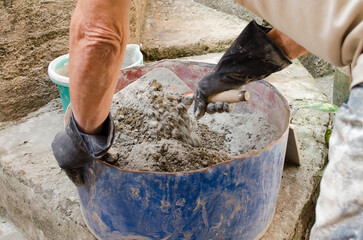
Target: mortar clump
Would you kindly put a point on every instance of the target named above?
(154, 131)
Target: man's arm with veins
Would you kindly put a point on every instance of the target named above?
(98, 36)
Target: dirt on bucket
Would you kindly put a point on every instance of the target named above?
(155, 131)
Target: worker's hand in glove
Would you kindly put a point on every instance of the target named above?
(252, 56)
(73, 149)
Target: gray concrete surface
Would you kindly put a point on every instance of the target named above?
(342, 81)
(299, 190)
(8, 231)
(326, 84)
(185, 28)
(41, 201)
(35, 195)
(316, 66)
(230, 7)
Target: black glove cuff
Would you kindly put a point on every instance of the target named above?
(95, 145)
(252, 56)
(73, 149)
(284, 59)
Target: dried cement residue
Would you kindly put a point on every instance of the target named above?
(63, 71)
(244, 132)
(155, 132)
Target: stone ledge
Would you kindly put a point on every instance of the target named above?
(233, 8)
(8, 231)
(35, 194)
(342, 81)
(186, 28)
(295, 211)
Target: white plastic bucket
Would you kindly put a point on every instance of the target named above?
(58, 70)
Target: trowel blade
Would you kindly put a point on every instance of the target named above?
(292, 150)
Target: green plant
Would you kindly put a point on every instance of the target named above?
(323, 107)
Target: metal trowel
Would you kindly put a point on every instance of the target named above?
(292, 149)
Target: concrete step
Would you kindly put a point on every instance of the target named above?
(231, 7)
(35, 195)
(8, 231)
(185, 28)
(326, 84)
(40, 199)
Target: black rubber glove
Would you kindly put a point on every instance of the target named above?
(73, 149)
(252, 56)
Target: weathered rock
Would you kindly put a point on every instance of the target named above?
(230, 7)
(185, 28)
(33, 33)
(316, 66)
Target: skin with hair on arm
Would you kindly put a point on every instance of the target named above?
(98, 36)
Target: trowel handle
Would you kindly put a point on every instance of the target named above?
(230, 96)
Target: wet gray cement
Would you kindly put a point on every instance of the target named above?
(156, 132)
(38, 198)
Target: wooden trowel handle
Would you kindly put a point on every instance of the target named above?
(230, 96)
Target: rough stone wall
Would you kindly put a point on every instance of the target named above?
(230, 7)
(342, 81)
(316, 66)
(33, 33)
(137, 19)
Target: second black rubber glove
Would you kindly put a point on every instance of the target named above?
(73, 149)
(252, 56)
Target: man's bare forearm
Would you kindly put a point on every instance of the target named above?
(98, 37)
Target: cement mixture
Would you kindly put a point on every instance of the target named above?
(64, 71)
(155, 131)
